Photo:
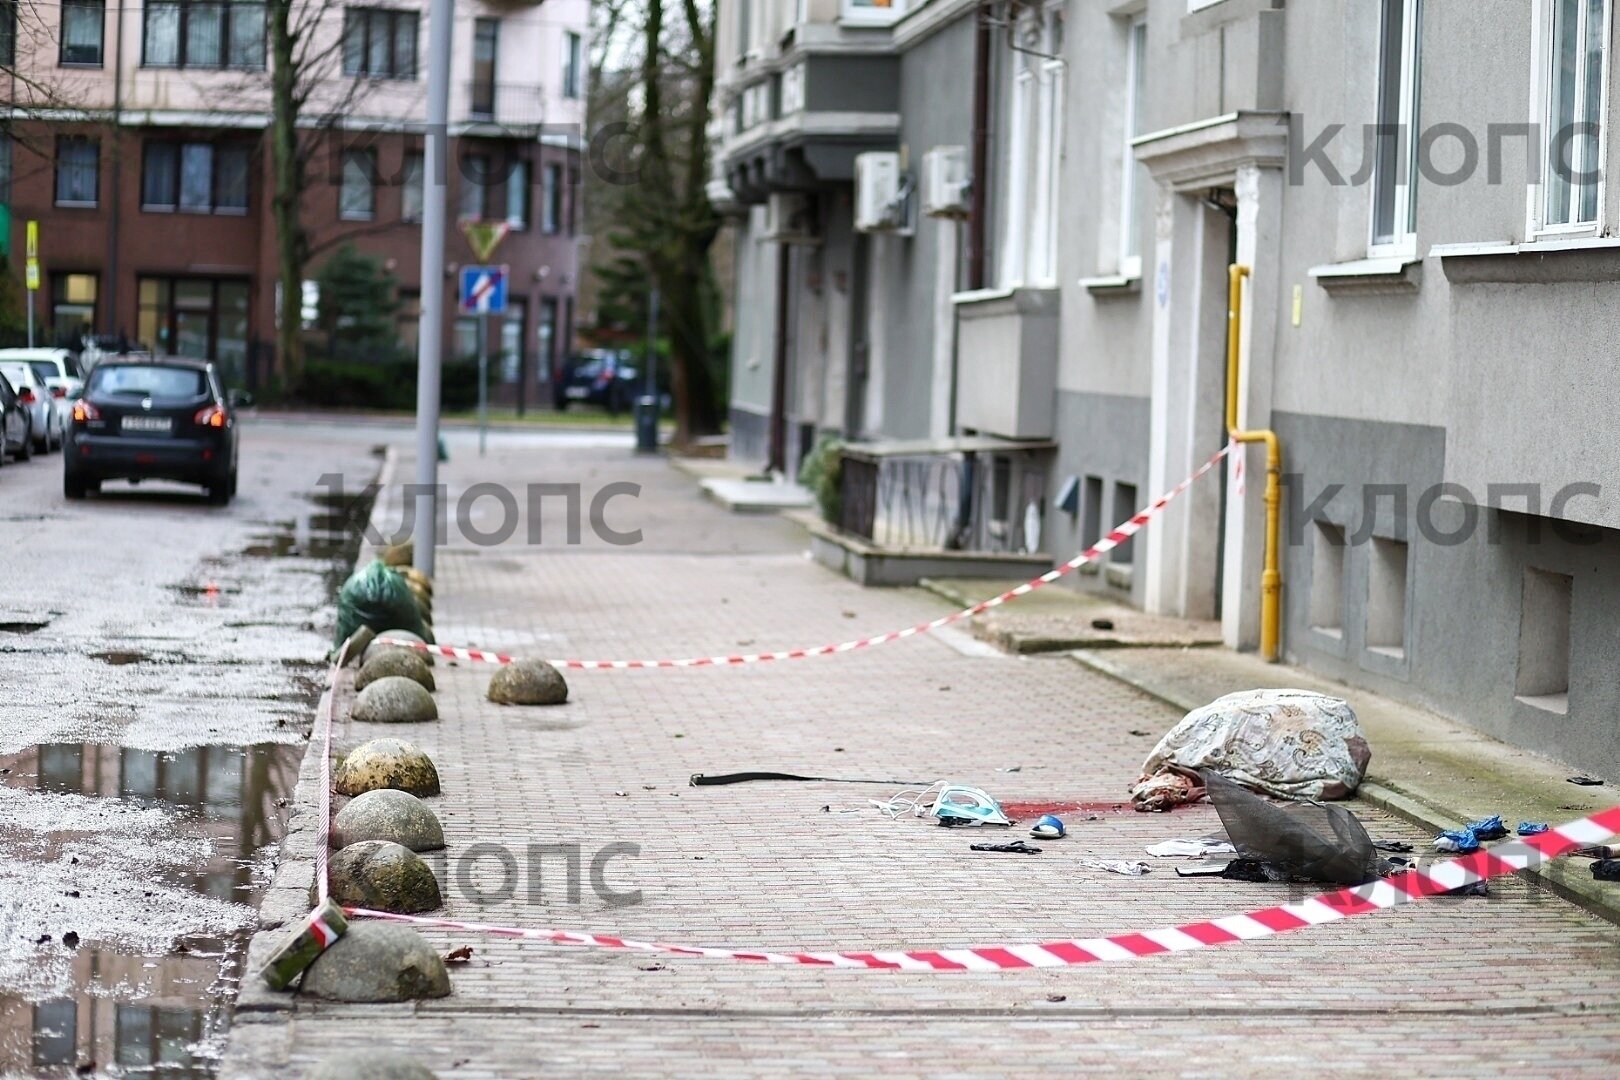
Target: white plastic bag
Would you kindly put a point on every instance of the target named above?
(1294, 744)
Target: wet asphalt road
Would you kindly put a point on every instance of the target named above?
(159, 661)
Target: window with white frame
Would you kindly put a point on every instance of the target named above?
(573, 53)
(194, 177)
(1394, 194)
(83, 26)
(871, 12)
(203, 34)
(1130, 185)
(357, 196)
(1035, 143)
(412, 196)
(1571, 111)
(517, 196)
(379, 43)
(78, 171)
(551, 193)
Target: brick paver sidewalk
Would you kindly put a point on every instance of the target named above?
(1517, 984)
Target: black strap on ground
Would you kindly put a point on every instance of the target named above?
(700, 780)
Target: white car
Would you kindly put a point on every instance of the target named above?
(46, 414)
(58, 367)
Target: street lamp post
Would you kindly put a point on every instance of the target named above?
(430, 341)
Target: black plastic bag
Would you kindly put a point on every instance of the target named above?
(377, 596)
(1308, 840)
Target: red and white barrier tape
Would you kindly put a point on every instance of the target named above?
(1116, 537)
(1389, 892)
(323, 720)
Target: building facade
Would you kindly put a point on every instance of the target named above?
(138, 137)
(1417, 189)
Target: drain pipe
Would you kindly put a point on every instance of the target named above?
(1271, 579)
(979, 166)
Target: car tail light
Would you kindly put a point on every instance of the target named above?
(58, 391)
(83, 411)
(210, 416)
(26, 396)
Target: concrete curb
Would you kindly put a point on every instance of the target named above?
(1034, 644)
(1565, 879)
(286, 900)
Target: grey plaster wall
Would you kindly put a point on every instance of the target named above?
(1102, 435)
(1463, 590)
(750, 435)
(752, 342)
(936, 108)
(851, 84)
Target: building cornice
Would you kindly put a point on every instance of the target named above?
(924, 22)
(1208, 153)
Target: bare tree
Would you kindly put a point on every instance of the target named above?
(666, 225)
(309, 94)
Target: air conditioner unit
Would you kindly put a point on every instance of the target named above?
(944, 186)
(882, 196)
(790, 218)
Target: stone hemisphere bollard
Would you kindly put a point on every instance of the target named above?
(388, 814)
(401, 662)
(394, 699)
(386, 763)
(376, 647)
(528, 682)
(375, 962)
(372, 1063)
(384, 877)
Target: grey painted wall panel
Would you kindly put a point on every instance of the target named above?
(1463, 597)
(1103, 435)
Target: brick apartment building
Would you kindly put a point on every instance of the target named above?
(137, 135)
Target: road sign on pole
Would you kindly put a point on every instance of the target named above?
(31, 275)
(484, 236)
(483, 290)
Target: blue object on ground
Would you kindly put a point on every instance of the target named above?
(1532, 828)
(1490, 828)
(1048, 827)
(1461, 841)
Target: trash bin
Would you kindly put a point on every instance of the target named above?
(646, 424)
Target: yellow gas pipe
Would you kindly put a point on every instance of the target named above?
(1271, 579)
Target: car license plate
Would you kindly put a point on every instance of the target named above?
(147, 424)
(576, 393)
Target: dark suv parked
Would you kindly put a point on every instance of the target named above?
(143, 418)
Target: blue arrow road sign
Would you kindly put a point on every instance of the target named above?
(483, 290)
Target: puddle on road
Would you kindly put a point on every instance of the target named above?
(227, 801)
(130, 878)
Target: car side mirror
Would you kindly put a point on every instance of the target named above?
(239, 399)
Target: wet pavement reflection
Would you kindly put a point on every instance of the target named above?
(232, 797)
(155, 699)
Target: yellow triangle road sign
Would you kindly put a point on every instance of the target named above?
(484, 236)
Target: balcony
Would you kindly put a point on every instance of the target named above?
(799, 125)
(511, 108)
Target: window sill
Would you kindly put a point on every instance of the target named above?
(82, 65)
(357, 217)
(1552, 703)
(217, 211)
(1112, 284)
(76, 205)
(1575, 259)
(1380, 275)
